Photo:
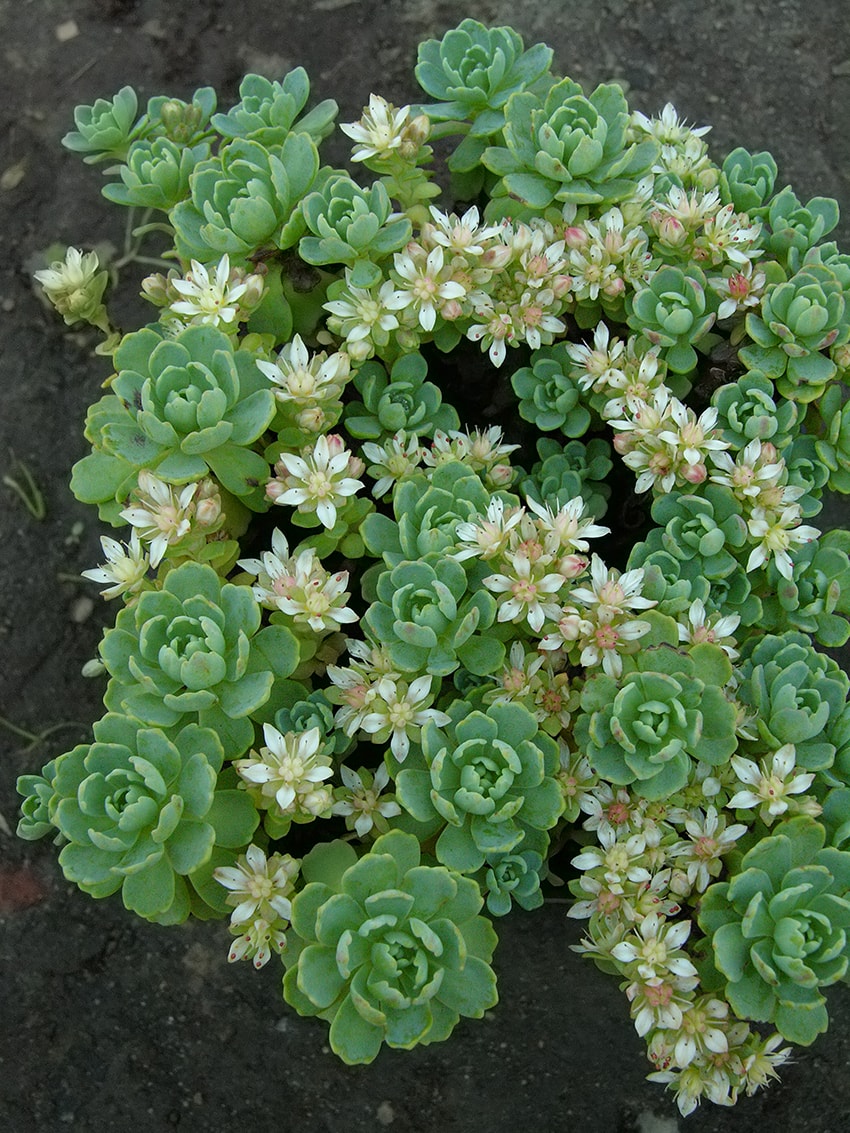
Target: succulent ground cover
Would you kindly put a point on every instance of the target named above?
(462, 647)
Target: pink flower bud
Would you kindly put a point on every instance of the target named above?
(575, 237)
(451, 310)
(769, 452)
(694, 473)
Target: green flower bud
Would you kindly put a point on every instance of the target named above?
(184, 123)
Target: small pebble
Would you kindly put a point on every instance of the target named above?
(67, 30)
(81, 609)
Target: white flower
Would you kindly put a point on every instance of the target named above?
(711, 628)
(125, 567)
(287, 770)
(303, 378)
(710, 838)
(208, 301)
(392, 461)
(260, 891)
(162, 514)
(462, 236)
(775, 533)
(316, 482)
(398, 711)
(655, 948)
(256, 881)
(300, 586)
(363, 316)
(491, 535)
(425, 284)
(364, 800)
(380, 131)
(769, 789)
(521, 592)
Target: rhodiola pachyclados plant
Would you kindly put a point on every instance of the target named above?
(453, 537)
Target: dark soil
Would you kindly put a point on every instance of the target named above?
(111, 1025)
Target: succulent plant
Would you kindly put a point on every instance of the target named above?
(748, 409)
(708, 528)
(797, 227)
(778, 929)
(816, 599)
(195, 651)
(672, 311)
(106, 129)
(473, 69)
(245, 198)
(352, 226)
(747, 180)
(833, 446)
(267, 112)
(140, 810)
(386, 949)
(183, 407)
(401, 401)
(798, 321)
(550, 397)
(565, 472)
(429, 622)
(427, 514)
(667, 711)
(487, 781)
(568, 147)
(156, 173)
(795, 694)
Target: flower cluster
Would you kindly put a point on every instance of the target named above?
(598, 639)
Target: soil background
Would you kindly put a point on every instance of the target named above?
(111, 1025)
